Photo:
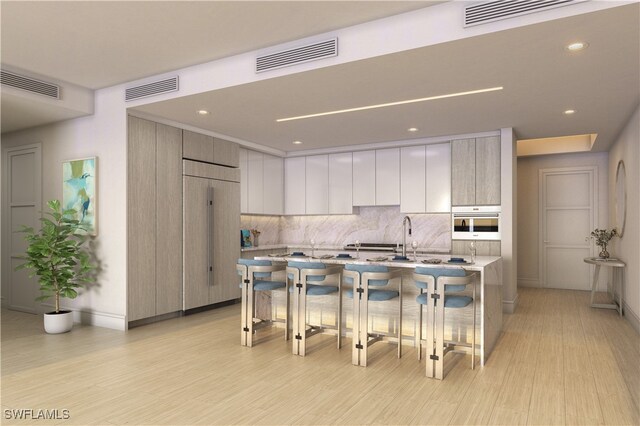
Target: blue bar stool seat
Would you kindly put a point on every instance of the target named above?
(449, 285)
(307, 278)
(362, 279)
(256, 276)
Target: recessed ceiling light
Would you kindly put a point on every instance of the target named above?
(409, 101)
(579, 45)
(570, 111)
(297, 142)
(412, 129)
(203, 112)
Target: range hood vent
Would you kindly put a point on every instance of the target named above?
(490, 11)
(299, 55)
(151, 89)
(29, 84)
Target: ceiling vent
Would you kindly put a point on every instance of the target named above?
(299, 55)
(29, 84)
(490, 11)
(151, 89)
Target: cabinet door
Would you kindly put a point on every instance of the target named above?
(225, 250)
(243, 180)
(196, 146)
(169, 219)
(273, 185)
(197, 243)
(439, 178)
(364, 178)
(488, 170)
(226, 153)
(413, 172)
(340, 183)
(294, 186)
(317, 184)
(255, 184)
(141, 219)
(463, 172)
(388, 177)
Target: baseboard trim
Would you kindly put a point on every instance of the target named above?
(95, 318)
(528, 282)
(509, 306)
(631, 317)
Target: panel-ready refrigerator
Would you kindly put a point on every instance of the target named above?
(211, 224)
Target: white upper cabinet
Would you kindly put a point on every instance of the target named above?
(413, 172)
(273, 182)
(364, 178)
(340, 183)
(317, 184)
(255, 187)
(294, 186)
(438, 179)
(261, 183)
(388, 177)
(244, 185)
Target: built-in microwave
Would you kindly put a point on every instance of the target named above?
(476, 223)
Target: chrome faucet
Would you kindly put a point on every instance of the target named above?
(404, 234)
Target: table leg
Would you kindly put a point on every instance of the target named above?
(595, 282)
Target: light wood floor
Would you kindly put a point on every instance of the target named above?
(558, 362)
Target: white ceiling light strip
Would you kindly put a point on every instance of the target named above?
(409, 101)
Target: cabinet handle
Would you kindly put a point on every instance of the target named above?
(210, 247)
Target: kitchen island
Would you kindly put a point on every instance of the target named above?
(488, 308)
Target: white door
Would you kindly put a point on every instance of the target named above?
(568, 200)
(21, 206)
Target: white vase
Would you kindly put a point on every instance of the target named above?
(56, 323)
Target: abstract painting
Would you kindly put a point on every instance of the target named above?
(79, 183)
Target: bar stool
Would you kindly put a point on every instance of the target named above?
(303, 274)
(256, 276)
(362, 277)
(442, 284)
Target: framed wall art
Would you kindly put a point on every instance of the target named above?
(79, 191)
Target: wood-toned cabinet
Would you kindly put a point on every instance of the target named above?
(483, 248)
(154, 219)
(208, 149)
(475, 171)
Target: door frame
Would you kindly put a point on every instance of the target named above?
(592, 171)
(6, 226)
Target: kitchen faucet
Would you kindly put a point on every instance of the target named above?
(404, 234)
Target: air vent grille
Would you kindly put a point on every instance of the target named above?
(29, 84)
(501, 9)
(152, 89)
(299, 55)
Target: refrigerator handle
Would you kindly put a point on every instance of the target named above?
(210, 235)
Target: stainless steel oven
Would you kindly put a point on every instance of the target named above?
(476, 223)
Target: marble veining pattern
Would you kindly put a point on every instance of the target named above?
(371, 225)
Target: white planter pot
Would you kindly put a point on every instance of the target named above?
(58, 323)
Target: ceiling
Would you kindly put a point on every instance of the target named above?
(540, 78)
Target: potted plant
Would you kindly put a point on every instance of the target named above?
(602, 237)
(56, 255)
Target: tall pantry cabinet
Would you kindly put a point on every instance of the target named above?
(183, 218)
(154, 219)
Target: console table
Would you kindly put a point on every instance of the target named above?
(618, 275)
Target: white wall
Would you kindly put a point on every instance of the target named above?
(528, 193)
(103, 135)
(508, 223)
(627, 248)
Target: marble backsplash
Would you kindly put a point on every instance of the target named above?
(371, 225)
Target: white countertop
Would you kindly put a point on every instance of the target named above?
(480, 261)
